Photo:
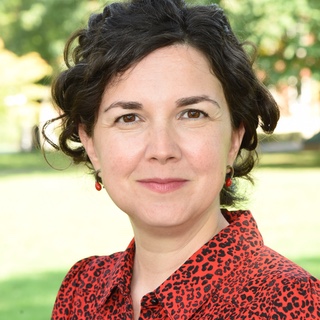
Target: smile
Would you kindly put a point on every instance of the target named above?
(163, 185)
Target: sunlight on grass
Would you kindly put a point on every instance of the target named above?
(286, 206)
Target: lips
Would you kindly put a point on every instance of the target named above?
(160, 185)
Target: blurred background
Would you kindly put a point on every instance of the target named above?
(52, 218)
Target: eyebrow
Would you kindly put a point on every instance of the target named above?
(194, 100)
(129, 105)
(182, 102)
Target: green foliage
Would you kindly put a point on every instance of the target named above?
(314, 139)
(43, 23)
(285, 32)
(42, 26)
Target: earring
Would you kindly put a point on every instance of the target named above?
(97, 178)
(229, 176)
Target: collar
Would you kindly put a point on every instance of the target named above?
(202, 274)
(103, 274)
(196, 280)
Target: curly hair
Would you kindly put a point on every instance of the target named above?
(123, 34)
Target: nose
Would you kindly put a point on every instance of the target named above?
(163, 144)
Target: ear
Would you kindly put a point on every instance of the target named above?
(89, 145)
(236, 140)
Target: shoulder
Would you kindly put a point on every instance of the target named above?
(94, 265)
(285, 287)
(269, 264)
(87, 275)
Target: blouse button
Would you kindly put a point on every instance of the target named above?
(154, 301)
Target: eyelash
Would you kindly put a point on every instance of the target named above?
(202, 113)
(181, 116)
(121, 118)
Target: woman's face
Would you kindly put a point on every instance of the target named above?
(163, 139)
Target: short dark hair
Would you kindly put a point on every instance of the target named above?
(126, 32)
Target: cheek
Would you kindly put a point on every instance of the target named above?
(210, 151)
(118, 156)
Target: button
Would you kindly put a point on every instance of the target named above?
(154, 301)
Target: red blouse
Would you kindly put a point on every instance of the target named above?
(233, 276)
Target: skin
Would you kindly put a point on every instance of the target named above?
(163, 140)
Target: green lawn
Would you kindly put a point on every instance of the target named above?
(50, 219)
(33, 162)
(291, 160)
(29, 297)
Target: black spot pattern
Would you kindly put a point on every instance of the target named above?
(233, 276)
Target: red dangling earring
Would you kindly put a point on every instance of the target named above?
(97, 183)
(228, 182)
(229, 176)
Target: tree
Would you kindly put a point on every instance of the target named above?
(285, 32)
(42, 26)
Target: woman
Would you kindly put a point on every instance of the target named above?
(163, 104)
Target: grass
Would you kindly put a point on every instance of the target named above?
(50, 219)
(29, 297)
(291, 160)
(33, 162)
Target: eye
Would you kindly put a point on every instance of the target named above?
(128, 118)
(193, 114)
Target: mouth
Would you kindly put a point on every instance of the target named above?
(163, 185)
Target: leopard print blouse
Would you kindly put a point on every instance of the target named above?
(233, 276)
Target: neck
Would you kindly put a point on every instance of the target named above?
(160, 252)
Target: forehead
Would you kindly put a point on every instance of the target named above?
(170, 72)
(178, 56)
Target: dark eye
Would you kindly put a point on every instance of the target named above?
(127, 118)
(193, 114)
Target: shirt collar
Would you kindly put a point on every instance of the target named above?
(199, 277)
(108, 278)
